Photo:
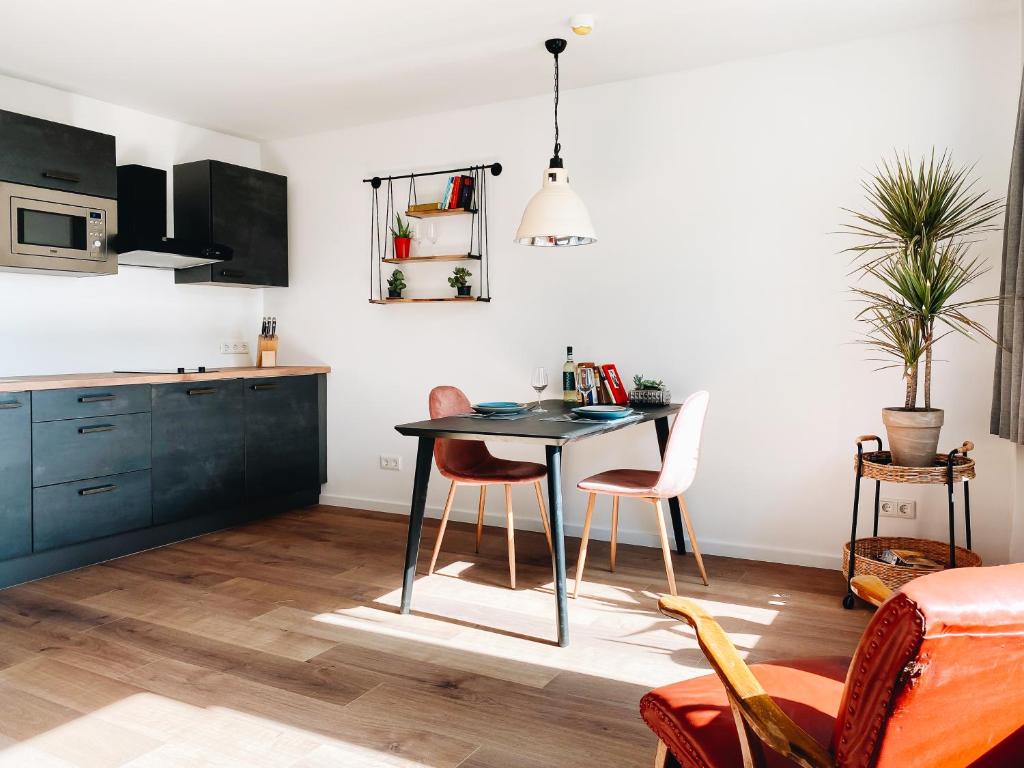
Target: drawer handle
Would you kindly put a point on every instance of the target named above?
(261, 387)
(203, 391)
(232, 273)
(97, 428)
(9, 406)
(97, 489)
(62, 176)
(96, 398)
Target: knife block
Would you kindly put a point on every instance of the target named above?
(266, 352)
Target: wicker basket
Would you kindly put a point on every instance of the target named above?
(878, 466)
(893, 576)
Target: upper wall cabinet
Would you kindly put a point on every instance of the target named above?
(42, 153)
(240, 207)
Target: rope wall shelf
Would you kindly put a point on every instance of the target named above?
(382, 248)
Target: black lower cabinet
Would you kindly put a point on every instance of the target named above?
(15, 474)
(282, 436)
(198, 448)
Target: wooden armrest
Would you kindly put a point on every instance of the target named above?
(870, 589)
(754, 709)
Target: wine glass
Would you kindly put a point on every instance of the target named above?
(539, 382)
(428, 232)
(585, 384)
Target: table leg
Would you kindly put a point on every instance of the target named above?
(967, 510)
(424, 456)
(554, 461)
(661, 427)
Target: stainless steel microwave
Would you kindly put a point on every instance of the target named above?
(56, 232)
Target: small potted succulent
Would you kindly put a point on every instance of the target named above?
(402, 233)
(458, 281)
(396, 284)
(649, 392)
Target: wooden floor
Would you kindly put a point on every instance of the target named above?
(279, 644)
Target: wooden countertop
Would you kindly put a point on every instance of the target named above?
(111, 379)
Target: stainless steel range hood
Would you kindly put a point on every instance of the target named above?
(142, 239)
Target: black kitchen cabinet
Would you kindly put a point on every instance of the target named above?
(42, 153)
(15, 474)
(198, 448)
(282, 436)
(242, 208)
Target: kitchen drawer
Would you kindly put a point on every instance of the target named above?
(282, 436)
(75, 449)
(198, 449)
(15, 475)
(54, 404)
(43, 153)
(88, 509)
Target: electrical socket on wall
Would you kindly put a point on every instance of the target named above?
(234, 347)
(903, 508)
(393, 463)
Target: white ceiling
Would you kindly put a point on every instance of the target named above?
(273, 68)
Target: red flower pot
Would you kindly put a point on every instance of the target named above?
(402, 247)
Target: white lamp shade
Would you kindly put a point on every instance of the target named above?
(556, 216)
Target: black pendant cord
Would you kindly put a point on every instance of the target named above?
(558, 146)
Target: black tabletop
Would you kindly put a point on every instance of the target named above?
(531, 428)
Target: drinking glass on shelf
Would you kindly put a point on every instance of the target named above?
(428, 232)
(585, 383)
(539, 382)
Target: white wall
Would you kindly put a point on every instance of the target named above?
(714, 193)
(138, 318)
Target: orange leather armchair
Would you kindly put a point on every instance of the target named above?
(936, 682)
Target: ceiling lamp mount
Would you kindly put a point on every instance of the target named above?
(556, 216)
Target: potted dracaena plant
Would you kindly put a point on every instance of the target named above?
(458, 281)
(396, 284)
(915, 254)
(402, 233)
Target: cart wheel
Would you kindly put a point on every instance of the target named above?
(849, 601)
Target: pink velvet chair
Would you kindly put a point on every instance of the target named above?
(678, 469)
(468, 462)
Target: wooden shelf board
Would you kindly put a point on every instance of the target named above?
(443, 298)
(432, 214)
(451, 257)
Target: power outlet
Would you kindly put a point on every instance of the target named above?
(393, 463)
(234, 347)
(902, 508)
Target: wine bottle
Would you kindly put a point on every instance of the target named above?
(569, 393)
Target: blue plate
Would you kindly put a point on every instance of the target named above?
(499, 406)
(604, 412)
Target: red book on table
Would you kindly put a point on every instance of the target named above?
(619, 393)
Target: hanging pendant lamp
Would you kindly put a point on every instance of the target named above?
(556, 216)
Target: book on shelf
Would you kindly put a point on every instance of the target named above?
(419, 207)
(447, 194)
(456, 184)
(466, 193)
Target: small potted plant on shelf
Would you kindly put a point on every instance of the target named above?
(458, 281)
(402, 233)
(649, 392)
(396, 284)
(916, 255)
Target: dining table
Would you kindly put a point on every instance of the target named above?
(550, 423)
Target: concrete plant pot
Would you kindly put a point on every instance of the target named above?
(913, 435)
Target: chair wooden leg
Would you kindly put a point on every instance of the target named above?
(666, 553)
(511, 534)
(583, 545)
(543, 515)
(444, 524)
(693, 540)
(480, 517)
(661, 756)
(615, 529)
